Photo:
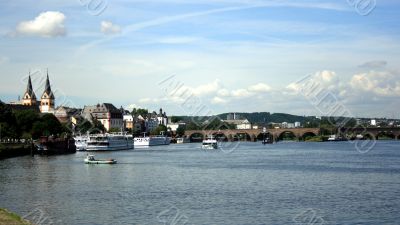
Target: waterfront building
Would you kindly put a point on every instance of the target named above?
(297, 124)
(106, 113)
(174, 126)
(64, 114)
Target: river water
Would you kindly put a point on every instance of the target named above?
(284, 183)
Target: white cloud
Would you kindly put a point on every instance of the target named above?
(241, 93)
(47, 24)
(260, 87)
(218, 100)
(206, 88)
(108, 27)
(223, 92)
(384, 84)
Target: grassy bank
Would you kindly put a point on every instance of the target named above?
(13, 150)
(9, 218)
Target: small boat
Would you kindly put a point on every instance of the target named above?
(91, 160)
(210, 143)
(182, 140)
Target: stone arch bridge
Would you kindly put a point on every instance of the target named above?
(299, 133)
(254, 133)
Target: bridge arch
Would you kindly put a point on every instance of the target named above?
(196, 137)
(242, 136)
(287, 135)
(220, 136)
(305, 136)
(385, 135)
(260, 136)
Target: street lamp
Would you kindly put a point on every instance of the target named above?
(264, 131)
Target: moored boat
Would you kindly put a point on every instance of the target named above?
(91, 160)
(110, 142)
(147, 141)
(81, 142)
(55, 146)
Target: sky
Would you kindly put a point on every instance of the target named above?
(203, 57)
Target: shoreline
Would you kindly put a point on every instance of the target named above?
(10, 218)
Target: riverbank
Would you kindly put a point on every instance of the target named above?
(14, 150)
(9, 218)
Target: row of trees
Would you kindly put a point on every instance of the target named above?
(28, 124)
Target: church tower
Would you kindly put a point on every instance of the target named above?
(47, 102)
(29, 98)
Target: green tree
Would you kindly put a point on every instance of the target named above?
(159, 129)
(25, 120)
(180, 131)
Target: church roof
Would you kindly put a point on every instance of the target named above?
(47, 88)
(29, 89)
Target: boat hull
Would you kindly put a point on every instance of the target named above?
(151, 141)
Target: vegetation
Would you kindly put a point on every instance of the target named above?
(137, 112)
(9, 218)
(159, 129)
(27, 124)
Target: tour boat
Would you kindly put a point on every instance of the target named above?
(110, 142)
(210, 143)
(81, 142)
(151, 140)
(91, 160)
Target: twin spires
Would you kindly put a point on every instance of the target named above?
(47, 98)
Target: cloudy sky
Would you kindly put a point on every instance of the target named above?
(207, 56)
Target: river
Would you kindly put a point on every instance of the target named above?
(284, 183)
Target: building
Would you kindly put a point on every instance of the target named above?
(297, 124)
(373, 122)
(240, 124)
(29, 100)
(64, 114)
(47, 101)
(174, 126)
(29, 97)
(106, 113)
(162, 118)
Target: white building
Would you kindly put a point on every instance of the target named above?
(240, 124)
(174, 126)
(373, 122)
(106, 113)
(297, 124)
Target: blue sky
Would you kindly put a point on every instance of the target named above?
(238, 55)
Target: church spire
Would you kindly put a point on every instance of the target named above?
(29, 89)
(47, 88)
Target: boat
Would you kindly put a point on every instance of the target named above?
(55, 146)
(335, 138)
(81, 142)
(182, 140)
(210, 143)
(147, 141)
(91, 160)
(110, 142)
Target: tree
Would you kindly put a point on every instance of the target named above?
(47, 125)
(139, 112)
(176, 119)
(25, 120)
(180, 131)
(159, 129)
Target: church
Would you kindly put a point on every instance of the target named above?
(47, 100)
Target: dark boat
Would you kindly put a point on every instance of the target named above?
(55, 146)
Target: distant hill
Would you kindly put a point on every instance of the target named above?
(266, 117)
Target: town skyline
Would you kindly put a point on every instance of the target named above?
(235, 56)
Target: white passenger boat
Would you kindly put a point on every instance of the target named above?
(81, 142)
(110, 142)
(151, 140)
(210, 143)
